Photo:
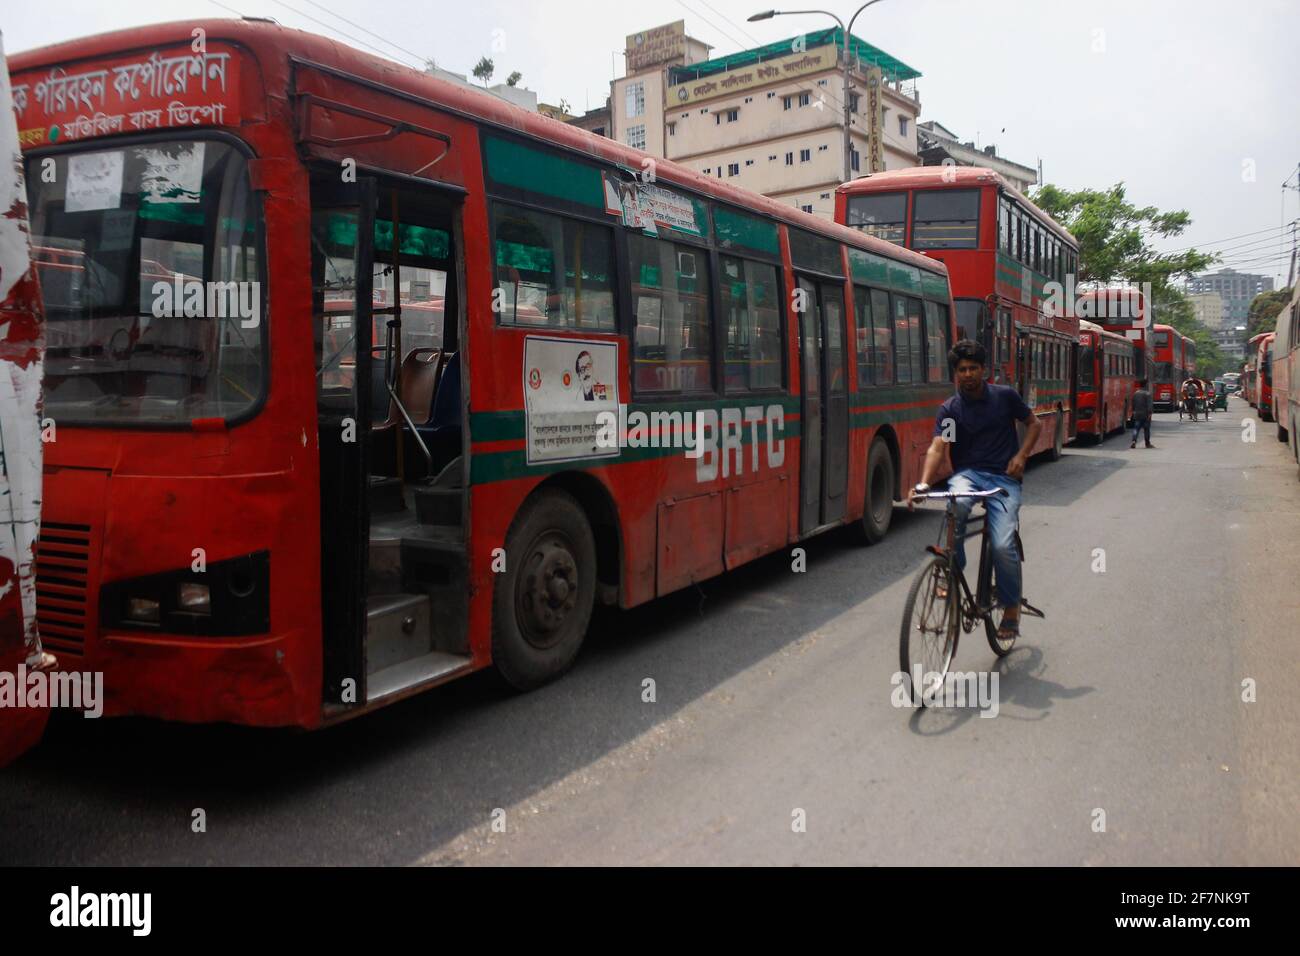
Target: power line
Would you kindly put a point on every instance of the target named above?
(372, 33)
(329, 26)
(1215, 242)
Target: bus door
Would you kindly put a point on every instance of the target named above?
(342, 240)
(824, 418)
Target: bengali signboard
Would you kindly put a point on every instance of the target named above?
(166, 89)
(753, 76)
(652, 47)
(567, 384)
(648, 206)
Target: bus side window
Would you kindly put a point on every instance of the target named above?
(936, 337)
(862, 336)
(751, 298)
(670, 289)
(882, 345)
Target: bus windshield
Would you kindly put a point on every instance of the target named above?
(945, 219)
(883, 215)
(149, 259)
(1164, 372)
(1086, 355)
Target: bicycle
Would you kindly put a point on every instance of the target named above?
(940, 604)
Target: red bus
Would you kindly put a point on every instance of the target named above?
(1262, 345)
(1124, 312)
(1286, 357)
(1167, 358)
(1005, 257)
(1107, 379)
(1189, 356)
(640, 380)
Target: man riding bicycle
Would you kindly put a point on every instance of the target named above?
(1191, 399)
(977, 428)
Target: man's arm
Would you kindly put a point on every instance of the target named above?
(1016, 466)
(935, 456)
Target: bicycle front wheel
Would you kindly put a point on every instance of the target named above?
(928, 638)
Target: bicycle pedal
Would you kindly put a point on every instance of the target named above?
(1028, 608)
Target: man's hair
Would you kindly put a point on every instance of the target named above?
(967, 350)
(1142, 383)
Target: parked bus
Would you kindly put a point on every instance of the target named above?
(1248, 378)
(1124, 312)
(1167, 358)
(644, 376)
(1263, 379)
(1001, 252)
(1107, 380)
(1286, 373)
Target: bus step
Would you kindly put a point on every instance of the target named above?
(419, 670)
(439, 506)
(434, 563)
(386, 495)
(384, 572)
(398, 629)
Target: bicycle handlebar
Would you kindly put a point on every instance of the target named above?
(961, 494)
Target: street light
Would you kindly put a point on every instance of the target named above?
(848, 117)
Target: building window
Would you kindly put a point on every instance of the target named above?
(855, 159)
(636, 136)
(749, 99)
(733, 115)
(772, 158)
(805, 99)
(635, 99)
(789, 159)
(807, 209)
(787, 102)
(902, 126)
(672, 129)
(770, 95)
(749, 162)
(825, 196)
(853, 102)
(822, 148)
(733, 169)
(805, 155)
(709, 171)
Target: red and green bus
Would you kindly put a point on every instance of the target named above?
(486, 370)
(1122, 311)
(1108, 365)
(1007, 259)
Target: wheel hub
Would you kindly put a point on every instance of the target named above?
(548, 591)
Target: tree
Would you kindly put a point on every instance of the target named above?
(1115, 245)
(514, 78)
(430, 65)
(1115, 236)
(1262, 315)
(565, 107)
(483, 70)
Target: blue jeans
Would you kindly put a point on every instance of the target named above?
(1003, 516)
(1142, 425)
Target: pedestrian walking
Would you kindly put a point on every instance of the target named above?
(1142, 414)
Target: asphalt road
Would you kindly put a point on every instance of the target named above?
(773, 696)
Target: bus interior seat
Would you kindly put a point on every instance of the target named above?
(442, 434)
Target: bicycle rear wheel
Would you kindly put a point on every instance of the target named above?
(928, 638)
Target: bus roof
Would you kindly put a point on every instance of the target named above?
(948, 177)
(273, 46)
(1093, 327)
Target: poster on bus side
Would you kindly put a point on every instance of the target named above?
(567, 384)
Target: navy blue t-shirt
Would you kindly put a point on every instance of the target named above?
(986, 428)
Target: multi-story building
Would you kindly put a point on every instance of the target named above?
(1236, 289)
(771, 119)
(1208, 309)
(940, 146)
(1231, 341)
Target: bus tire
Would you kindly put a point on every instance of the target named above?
(541, 603)
(1054, 453)
(1101, 428)
(878, 506)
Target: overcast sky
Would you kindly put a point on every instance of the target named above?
(1192, 104)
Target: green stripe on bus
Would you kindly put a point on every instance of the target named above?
(934, 286)
(514, 164)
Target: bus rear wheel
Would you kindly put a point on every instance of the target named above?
(542, 602)
(1281, 432)
(878, 509)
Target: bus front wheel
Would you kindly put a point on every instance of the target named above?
(542, 601)
(1055, 453)
(878, 509)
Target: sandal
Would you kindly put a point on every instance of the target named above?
(1009, 629)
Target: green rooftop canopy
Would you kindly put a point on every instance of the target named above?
(893, 70)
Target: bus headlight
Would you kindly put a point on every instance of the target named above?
(143, 609)
(194, 598)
